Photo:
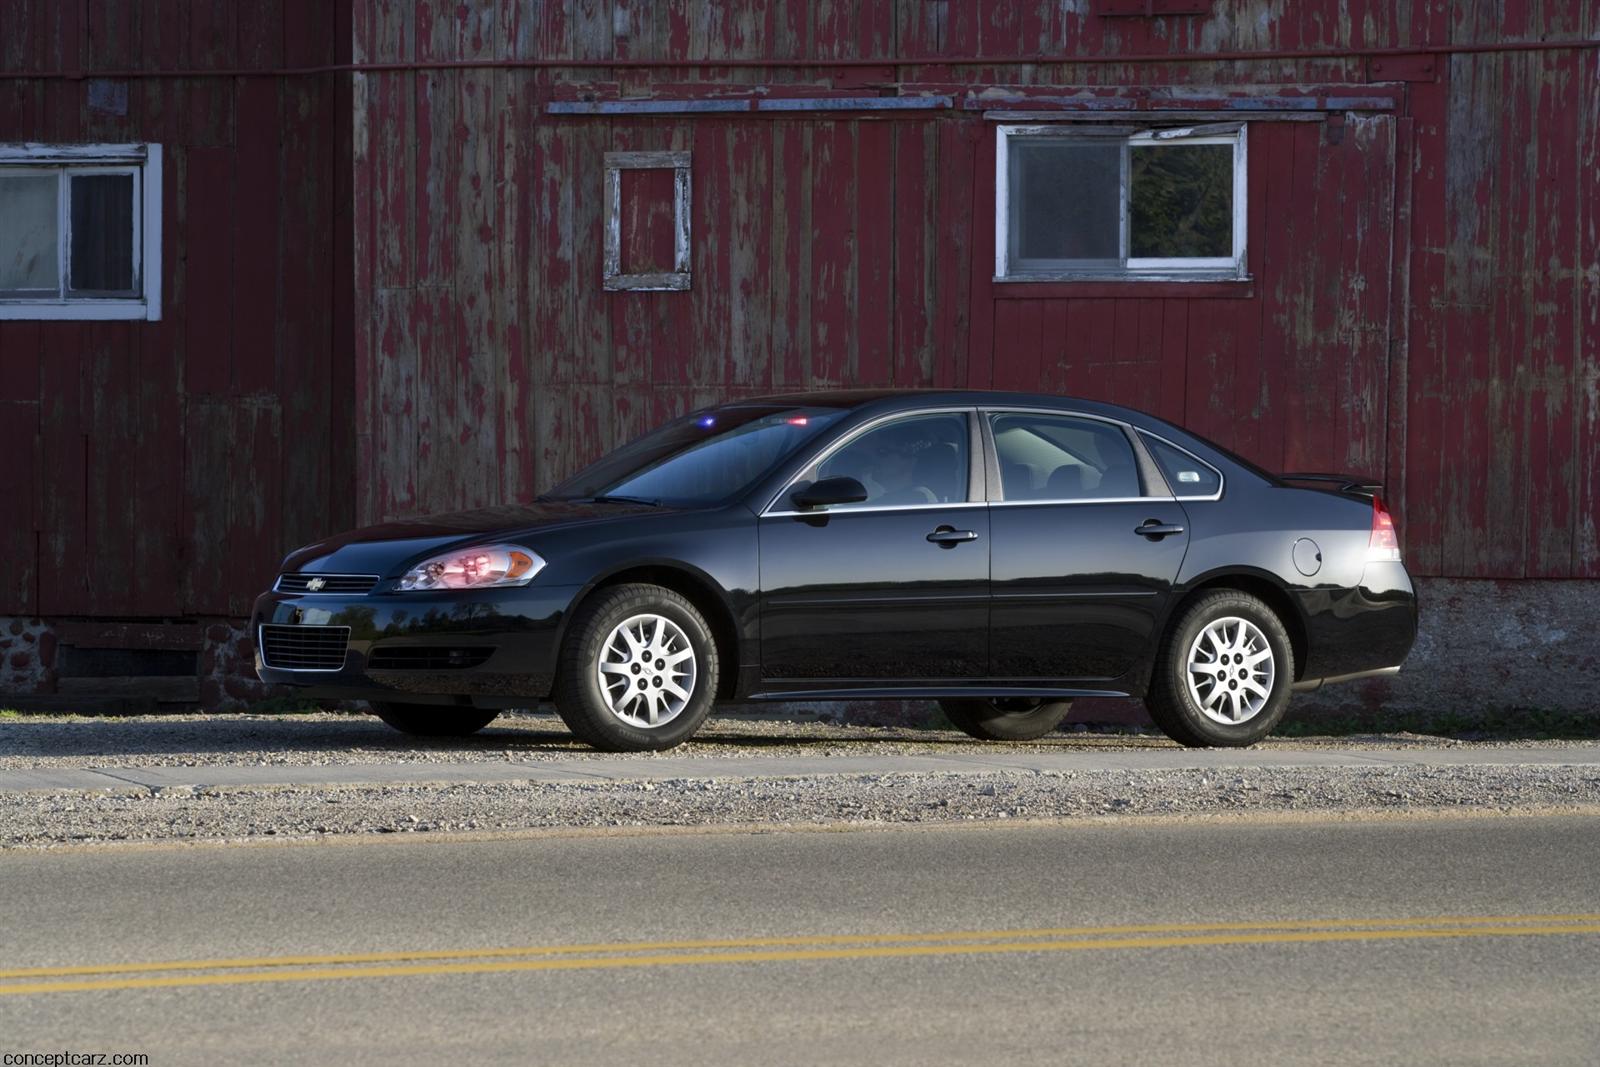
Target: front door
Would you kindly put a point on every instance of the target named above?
(890, 590)
(1084, 552)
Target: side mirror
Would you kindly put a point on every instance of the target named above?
(830, 491)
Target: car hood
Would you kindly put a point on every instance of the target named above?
(384, 549)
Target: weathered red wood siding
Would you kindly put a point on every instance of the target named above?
(383, 289)
(1424, 305)
(159, 469)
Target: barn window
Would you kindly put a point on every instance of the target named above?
(630, 262)
(1109, 202)
(80, 231)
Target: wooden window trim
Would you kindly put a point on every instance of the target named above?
(144, 162)
(678, 278)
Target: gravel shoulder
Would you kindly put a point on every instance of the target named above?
(140, 814)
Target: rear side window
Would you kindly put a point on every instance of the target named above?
(1186, 475)
(1061, 457)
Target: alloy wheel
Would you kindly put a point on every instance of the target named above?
(1230, 670)
(647, 670)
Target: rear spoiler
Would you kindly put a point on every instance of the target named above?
(1344, 483)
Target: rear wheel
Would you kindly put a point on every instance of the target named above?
(1224, 672)
(638, 671)
(433, 720)
(1005, 718)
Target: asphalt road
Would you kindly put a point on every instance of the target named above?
(1464, 940)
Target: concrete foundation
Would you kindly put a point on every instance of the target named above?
(1484, 646)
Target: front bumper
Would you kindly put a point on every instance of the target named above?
(409, 647)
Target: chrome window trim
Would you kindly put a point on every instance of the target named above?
(1084, 500)
(1222, 479)
(261, 648)
(277, 586)
(879, 508)
(827, 453)
(1130, 431)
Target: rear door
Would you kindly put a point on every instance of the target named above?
(890, 590)
(1086, 545)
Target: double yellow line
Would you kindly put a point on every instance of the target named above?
(636, 954)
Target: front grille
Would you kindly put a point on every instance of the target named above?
(304, 648)
(427, 658)
(326, 583)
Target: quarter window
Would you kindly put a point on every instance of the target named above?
(1063, 458)
(921, 459)
(1186, 476)
(80, 231)
(1090, 203)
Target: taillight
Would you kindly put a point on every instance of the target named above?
(1384, 542)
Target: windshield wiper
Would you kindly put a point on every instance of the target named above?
(615, 498)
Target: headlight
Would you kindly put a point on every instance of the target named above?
(481, 567)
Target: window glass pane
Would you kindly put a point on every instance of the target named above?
(917, 460)
(28, 233)
(703, 458)
(102, 233)
(1065, 200)
(1058, 457)
(1186, 476)
(1180, 203)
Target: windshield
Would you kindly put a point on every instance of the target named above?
(700, 459)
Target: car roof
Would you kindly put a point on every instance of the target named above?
(894, 399)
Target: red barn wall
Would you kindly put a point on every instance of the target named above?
(157, 469)
(383, 286)
(1424, 304)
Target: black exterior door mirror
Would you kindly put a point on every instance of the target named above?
(830, 491)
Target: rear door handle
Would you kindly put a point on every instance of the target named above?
(1156, 530)
(950, 537)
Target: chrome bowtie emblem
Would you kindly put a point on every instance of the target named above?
(315, 585)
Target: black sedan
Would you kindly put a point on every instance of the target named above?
(1000, 553)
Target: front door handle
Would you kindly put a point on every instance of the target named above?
(950, 537)
(1156, 530)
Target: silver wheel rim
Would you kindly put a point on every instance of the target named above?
(1231, 671)
(647, 671)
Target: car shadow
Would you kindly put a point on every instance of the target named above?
(356, 736)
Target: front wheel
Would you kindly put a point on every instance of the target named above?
(433, 720)
(1005, 718)
(1224, 673)
(638, 671)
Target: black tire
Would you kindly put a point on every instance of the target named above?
(433, 720)
(1175, 709)
(1005, 719)
(586, 708)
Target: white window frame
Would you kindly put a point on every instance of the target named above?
(1212, 268)
(678, 278)
(143, 162)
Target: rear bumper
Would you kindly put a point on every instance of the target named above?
(1359, 633)
(490, 648)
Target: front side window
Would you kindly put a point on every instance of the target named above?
(1083, 203)
(1063, 458)
(79, 232)
(920, 459)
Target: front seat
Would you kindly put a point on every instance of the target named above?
(938, 469)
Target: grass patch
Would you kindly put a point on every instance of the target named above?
(10, 713)
(1497, 725)
(284, 706)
